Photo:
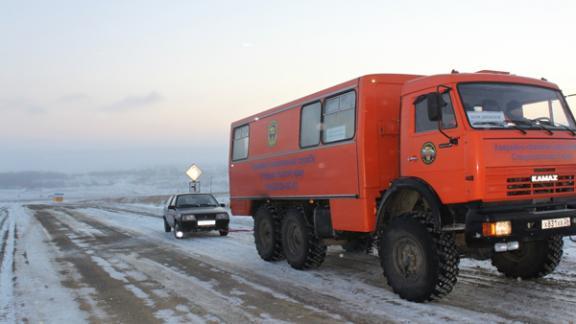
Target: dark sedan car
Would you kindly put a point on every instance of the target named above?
(195, 212)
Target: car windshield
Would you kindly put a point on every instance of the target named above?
(514, 106)
(196, 200)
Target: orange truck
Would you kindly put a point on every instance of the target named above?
(427, 169)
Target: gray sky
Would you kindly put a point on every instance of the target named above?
(92, 85)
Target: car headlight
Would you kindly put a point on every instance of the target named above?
(188, 218)
(222, 216)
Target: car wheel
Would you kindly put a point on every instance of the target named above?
(178, 234)
(223, 232)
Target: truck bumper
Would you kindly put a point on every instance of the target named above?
(527, 222)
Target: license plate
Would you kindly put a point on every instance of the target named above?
(555, 223)
(206, 222)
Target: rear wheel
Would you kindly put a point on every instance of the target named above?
(167, 227)
(223, 232)
(534, 259)
(419, 263)
(267, 235)
(301, 247)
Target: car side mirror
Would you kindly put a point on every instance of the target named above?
(435, 105)
(171, 207)
(223, 205)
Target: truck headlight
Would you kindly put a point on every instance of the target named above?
(221, 216)
(188, 218)
(503, 228)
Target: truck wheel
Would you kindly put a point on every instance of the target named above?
(267, 235)
(167, 227)
(419, 263)
(534, 259)
(223, 232)
(303, 250)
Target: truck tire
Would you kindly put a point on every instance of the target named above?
(167, 227)
(533, 260)
(419, 263)
(303, 250)
(267, 234)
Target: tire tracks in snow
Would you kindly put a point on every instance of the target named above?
(160, 282)
(353, 300)
(8, 236)
(546, 300)
(479, 291)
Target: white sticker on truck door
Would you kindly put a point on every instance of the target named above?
(486, 118)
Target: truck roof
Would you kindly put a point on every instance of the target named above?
(481, 76)
(411, 83)
(380, 78)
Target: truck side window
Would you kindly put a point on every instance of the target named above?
(423, 124)
(339, 117)
(240, 143)
(310, 125)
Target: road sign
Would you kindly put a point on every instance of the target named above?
(194, 172)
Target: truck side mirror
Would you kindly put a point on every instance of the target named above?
(435, 105)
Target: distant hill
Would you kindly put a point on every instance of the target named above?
(32, 179)
(153, 181)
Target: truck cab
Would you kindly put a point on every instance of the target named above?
(495, 148)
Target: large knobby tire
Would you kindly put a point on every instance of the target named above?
(303, 250)
(533, 260)
(167, 227)
(420, 264)
(267, 234)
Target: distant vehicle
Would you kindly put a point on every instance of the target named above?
(195, 212)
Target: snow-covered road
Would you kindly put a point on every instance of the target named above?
(110, 262)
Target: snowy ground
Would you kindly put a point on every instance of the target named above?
(110, 261)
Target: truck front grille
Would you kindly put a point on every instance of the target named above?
(205, 216)
(517, 182)
(523, 186)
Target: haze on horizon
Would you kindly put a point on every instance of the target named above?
(107, 85)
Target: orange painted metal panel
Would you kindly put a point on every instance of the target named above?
(327, 171)
(350, 215)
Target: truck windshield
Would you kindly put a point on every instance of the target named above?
(499, 105)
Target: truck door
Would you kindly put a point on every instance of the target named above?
(428, 154)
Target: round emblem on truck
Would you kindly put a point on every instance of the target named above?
(428, 153)
(272, 133)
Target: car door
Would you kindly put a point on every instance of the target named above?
(426, 153)
(171, 211)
